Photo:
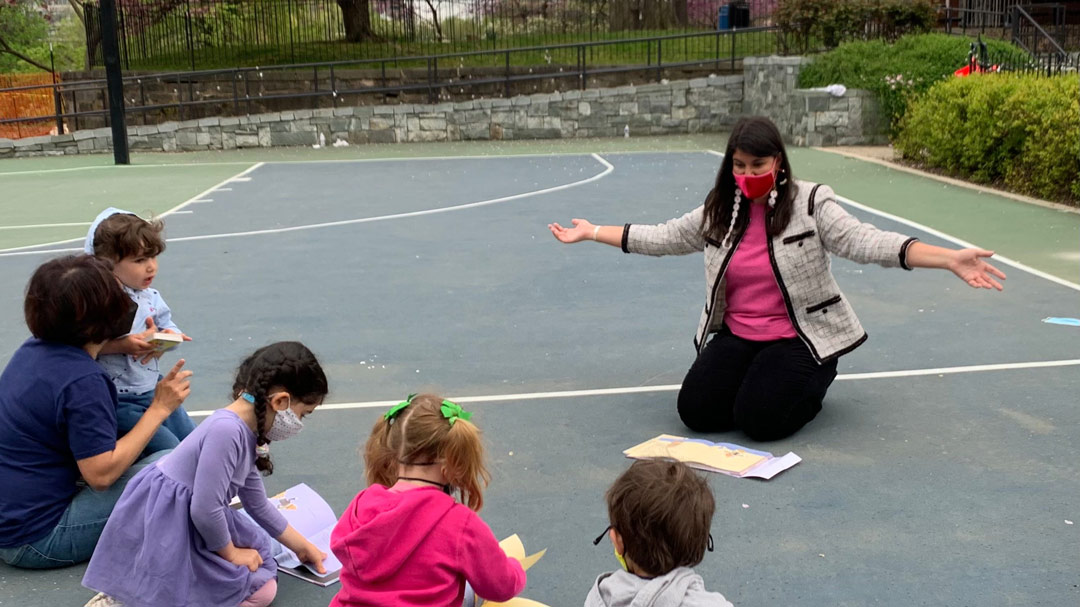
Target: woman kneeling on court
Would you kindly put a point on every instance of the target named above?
(62, 468)
(776, 315)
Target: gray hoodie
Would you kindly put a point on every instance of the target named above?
(679, 588)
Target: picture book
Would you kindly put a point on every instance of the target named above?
(309, 514)
(165, 341)
(725, 458)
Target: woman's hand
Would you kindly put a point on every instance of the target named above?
(968, 264)
(172, 389)
(582, 230)
(246, 557)
(310, 554)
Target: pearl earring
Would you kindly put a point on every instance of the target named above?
(772, 198)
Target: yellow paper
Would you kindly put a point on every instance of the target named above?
(530, 560)
(515, 602)
(513, 548)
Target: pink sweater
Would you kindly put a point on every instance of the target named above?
(755, 307)
(417, 548)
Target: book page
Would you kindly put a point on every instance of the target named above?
(304, 509)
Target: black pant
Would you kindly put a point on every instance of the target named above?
(767, 389)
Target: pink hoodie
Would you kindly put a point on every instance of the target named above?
(417, 548)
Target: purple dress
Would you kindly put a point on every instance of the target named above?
(158, 548)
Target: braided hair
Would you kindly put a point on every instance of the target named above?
(288, 365)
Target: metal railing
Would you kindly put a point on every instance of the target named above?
(238, 91)
(201, 34)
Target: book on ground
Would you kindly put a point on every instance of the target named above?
(309, 514)
(725, 458)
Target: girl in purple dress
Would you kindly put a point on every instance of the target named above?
(173, 540)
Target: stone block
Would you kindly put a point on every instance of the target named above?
(298, 138)
(247, 141)
(376, 123)
(211, 121)
(831, 119)
(432, 124)
(168, 127)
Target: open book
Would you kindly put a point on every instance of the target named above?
(165, 341)
(309, 514)
(724, 458)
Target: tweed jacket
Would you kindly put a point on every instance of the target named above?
(820, 313)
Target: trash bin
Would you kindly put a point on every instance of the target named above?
(733, 15)
(740, 14)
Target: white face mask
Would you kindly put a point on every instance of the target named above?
(286, 424)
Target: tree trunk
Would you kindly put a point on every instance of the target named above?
(356, 15)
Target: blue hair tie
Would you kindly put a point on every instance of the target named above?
(248, 397)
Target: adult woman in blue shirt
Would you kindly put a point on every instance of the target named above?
(61, 465)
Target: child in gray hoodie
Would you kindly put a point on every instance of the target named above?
(660, 513)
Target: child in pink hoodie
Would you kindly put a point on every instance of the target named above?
(405, 541)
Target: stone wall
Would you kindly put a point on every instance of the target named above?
(768, 86)
(809, 117)
(690, 106)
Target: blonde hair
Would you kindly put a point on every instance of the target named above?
(421, 435)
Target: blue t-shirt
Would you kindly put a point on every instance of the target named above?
(57, 406)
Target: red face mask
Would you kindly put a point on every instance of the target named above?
(756, 186)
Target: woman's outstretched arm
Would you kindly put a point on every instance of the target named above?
(967, 264)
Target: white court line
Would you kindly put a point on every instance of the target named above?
(201, 201)
(378, 404)
(45, 225)
(182, 212)
(608, 168)
(19, 251)
(942, 235)
(496, 155)
(123, 168)
(223, 190)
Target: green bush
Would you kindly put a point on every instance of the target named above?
(1020, 131)
(898, 71)
(807, 24)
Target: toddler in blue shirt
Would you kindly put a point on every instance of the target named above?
(132, 244)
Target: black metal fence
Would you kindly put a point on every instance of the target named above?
(237, 91)
(1001, 22)
(206, 34)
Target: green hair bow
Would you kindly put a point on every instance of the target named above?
(454, 412)
(398, 408)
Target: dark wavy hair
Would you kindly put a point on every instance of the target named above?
(757, 136)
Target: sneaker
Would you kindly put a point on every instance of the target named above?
(103, 600)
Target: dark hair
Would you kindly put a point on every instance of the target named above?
(75, 300)
(662, 510)
(125, 235)
(288, 365)
(757, 136)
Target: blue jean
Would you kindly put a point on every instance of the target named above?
(174, 429)
(75, 536)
